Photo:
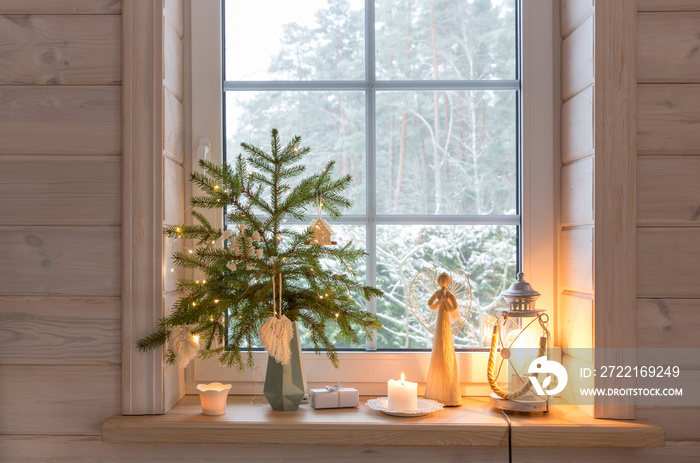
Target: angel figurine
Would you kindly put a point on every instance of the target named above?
(444, 314)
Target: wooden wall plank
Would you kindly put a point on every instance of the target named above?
(667, 47)
(577, 60)
(176, 14)
(74, 50)
(667, 118)
(679, 423)
(576, 259)
(53, 190)
(668, 5)
(668, 190)
(577, 192)
(576, 323)
(60, 120)
(62, 7)
(65, 399)
(668, 323)
(60, 261)
(172, 61)
(173, 192)
(573, 13)
(668, 262)
(572, 393)
(577, 126)
(59, 330)
(173, 127)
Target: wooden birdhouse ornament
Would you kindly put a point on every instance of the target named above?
(321, 232)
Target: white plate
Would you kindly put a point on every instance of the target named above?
(425, 407)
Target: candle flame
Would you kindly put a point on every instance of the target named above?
(403, 378)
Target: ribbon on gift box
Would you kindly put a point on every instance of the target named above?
(335, 388)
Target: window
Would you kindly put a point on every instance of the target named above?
(425, 121)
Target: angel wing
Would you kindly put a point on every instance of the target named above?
(424, 286)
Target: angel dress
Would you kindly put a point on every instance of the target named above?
(443, 377)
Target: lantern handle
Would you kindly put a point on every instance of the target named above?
(492, 366)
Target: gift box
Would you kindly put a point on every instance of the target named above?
(334, 397)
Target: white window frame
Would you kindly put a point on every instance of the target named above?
(369, 371)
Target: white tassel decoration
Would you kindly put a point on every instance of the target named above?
(184, 344)
(276, 335)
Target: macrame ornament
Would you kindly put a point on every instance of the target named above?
(277, 331)
(321, 233)
(183, 344)
(237, 245)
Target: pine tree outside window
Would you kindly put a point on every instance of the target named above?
(421, 103)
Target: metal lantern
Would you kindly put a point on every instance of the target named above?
(519, 337)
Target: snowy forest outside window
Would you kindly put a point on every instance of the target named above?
(419, 101)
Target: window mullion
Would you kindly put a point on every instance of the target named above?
(370, 148)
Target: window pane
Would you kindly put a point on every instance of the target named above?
(343, 235)
(487, 253)
(445, 39)
(330, 123)
(285, 40)
(447, 153)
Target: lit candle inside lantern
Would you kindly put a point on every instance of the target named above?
(403, 395)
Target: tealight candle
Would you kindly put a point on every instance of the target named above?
(402, 395)
(213, 397)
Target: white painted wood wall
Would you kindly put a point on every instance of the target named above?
(60, 239)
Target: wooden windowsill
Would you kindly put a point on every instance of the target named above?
(475, 423)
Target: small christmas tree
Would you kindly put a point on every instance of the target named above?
(240, 273)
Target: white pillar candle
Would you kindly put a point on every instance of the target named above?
(403, 395)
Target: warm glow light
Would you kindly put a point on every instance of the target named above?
(403, 378)
(523, 344)
(216, 301)
(196, 338)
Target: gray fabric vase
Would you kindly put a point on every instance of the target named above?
(284, 384)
